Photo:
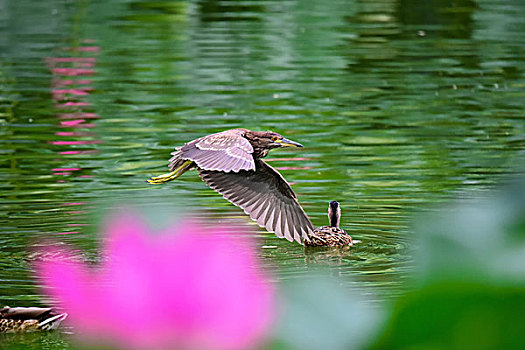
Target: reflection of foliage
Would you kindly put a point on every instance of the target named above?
(324, 255)
(455, 17)
(472, 292)
(318, 313)
(469, 293)
(36, 341)
(456, 315)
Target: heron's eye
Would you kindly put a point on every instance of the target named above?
(275, 138)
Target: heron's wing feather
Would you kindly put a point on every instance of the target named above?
(225, 151)
(265, 196)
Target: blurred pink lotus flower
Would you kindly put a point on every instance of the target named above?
(187, 288)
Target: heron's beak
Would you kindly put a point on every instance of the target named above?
(288, 143)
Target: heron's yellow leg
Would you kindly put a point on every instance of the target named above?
(156, 180)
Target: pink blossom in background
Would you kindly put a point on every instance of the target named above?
(73, 71)
(79, 152)
(84, 142)
(88, 49)
(75, 133)
(53, 60)
(66, 169)
(72, 122)
(82, 116)
(186, 288)
(67, 233)
(79, 92)
(74, 104)
(58, 82)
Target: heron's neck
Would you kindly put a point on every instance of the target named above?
(260, 152)
(333, 217)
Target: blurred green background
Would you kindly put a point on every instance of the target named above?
(401, 104)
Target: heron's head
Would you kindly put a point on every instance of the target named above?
(270, 140)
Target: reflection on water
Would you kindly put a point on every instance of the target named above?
(399, 104)
(70, 90)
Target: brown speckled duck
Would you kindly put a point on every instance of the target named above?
(331, 235)
(29, 319)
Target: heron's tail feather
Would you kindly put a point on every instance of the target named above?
(185, 166)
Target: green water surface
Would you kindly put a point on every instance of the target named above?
(400, 104)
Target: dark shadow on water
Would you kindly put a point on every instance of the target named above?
(444, 18)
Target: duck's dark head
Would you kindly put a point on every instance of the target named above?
(334, 214)
(263, 141)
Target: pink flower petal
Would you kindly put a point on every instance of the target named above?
(188, 288)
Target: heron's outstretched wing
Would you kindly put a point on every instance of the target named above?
(225, 151)
(265, 196)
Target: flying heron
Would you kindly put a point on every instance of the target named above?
(230, 163)
(330, 235)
